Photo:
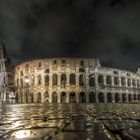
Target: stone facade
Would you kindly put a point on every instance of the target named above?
(74, 80)
(6, 75)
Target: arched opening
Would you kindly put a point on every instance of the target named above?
(139, 97)
(100, 79)
(133, 82)
(135, 97)
(129, 97)
(81, 80)
(129, 82)
(101, 97)
(72, 97)
(21, 82)
(109, 98)
(116, 81)
(91, 80)
(26, 97)
(38, 97)
(72, 79)
(108, 80)
(39, 79)
(63, 80)
(117, 98)
(63, 97)
(30, 97)
(54, 79)
(123, 81)
(124, 98)
(54, 97)
(82, 97)
(47, 80)
(92, 98)
(46, 97)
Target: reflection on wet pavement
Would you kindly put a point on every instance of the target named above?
(70, 122)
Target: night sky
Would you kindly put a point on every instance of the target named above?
(104, 29)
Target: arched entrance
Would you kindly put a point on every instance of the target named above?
(138, 97)
(72, 97)
(124, 98)
(129, 97)
(38, 97)
(101, 97)
(82, 97)
(117, 98)
(135, 97)
(109, 98)
(63, 97)
(54, 97)
(92, 98)
(46, 97)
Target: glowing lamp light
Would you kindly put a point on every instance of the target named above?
(27, 80)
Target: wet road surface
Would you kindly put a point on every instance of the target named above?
(70, 122)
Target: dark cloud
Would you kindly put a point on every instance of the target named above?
(108, 30)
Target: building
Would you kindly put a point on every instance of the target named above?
(74, 80)
(6, 75)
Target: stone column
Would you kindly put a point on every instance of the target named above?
(112, 81)
(104, 77)
(126, 82)
(87, 97)
(113, 97)
(58, 97)
(120, 83)
(77, 97)
(67, 97)
(96, 96)
(59, 79)
(105, 97)
(96, 79)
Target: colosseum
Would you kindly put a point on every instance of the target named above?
(74, 80)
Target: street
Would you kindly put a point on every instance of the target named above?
(70, 121)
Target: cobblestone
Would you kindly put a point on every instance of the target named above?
(70, 122)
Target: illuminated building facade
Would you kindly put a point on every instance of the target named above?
(6, 76)
(74, 80)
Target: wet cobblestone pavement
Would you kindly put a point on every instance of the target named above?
(70, 122)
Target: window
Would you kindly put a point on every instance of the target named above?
(128, 82)
(47, 71)
(21, 73)
(27, 65)
(108, 80)
(39, 79)
(81, 63)
(91, 80)
(138, 83)
(63, 80)
(39, 65)
(100, 79)
(54, 79)
(47, 80)
(81, 70)
(72, 79)
(123, 83)
(116, 81)
(21, 82)
(133, 83)
(54, 62)
(115, 72)
(81, 80)
(63, 61)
